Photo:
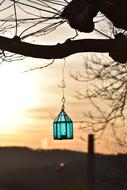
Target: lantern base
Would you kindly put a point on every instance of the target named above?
(63, 138)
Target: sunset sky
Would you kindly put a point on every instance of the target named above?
(29, 101)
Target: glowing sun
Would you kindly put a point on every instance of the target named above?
(15, 96)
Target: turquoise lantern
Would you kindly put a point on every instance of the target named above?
(63, 126)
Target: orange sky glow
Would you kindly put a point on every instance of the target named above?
(29, 101)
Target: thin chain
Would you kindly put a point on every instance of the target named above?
(63, 86)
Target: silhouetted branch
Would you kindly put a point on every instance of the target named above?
(106, 92)
(38, 68)
(69, 47)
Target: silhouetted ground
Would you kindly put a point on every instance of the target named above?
(26, 169)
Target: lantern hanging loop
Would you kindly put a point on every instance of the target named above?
(63, 102)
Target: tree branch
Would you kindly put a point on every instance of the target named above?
(69, 47)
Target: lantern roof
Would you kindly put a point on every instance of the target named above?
(62, 117)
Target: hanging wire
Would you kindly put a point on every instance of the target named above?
(62, 86)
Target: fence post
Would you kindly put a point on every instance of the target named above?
(91, 163)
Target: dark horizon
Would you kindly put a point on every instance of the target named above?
(23, 168)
